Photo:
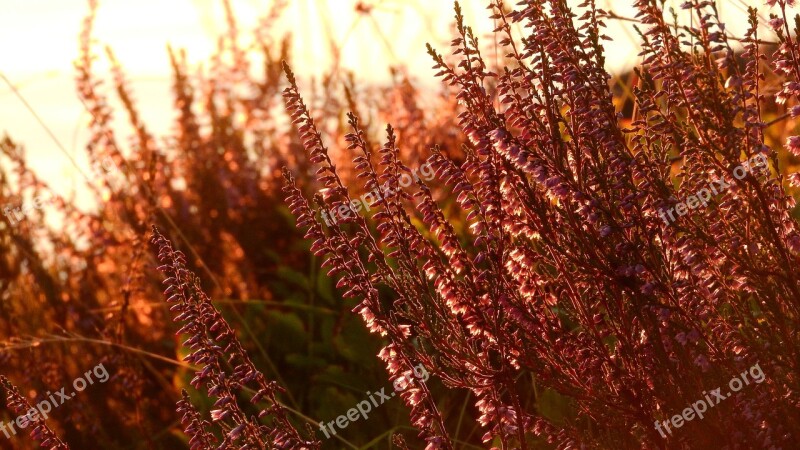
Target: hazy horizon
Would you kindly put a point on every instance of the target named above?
(41, 67)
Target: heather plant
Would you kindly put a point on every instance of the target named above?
(569, 281)
(214, 346)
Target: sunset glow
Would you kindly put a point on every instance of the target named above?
(371, 36)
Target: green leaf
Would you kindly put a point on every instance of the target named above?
(553, 405)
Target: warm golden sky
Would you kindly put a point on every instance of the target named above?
(40, 42)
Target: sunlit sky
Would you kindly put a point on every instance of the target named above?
(39, 43)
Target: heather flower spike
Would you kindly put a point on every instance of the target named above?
(20, 406)
(215, 348)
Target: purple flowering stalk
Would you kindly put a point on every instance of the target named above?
(20, 405)
(568, 277)
(226, 369)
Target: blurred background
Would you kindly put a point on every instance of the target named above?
(369, 37)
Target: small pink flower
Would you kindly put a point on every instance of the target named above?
(794, 243)
(702, 362)
(794, 179)
(776, 23)
(793, 145)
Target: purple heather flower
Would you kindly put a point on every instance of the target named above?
(793, 145)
